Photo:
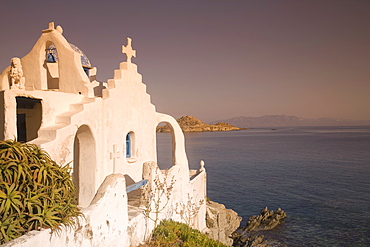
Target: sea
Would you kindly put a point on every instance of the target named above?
(320, 176)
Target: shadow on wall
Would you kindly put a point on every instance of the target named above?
(84, 165)
(134, 196)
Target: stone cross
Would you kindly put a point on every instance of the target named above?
(51, 28)
(114, 155)
(128, 50)
(51, 25)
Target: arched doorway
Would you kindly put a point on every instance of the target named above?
(84, 165)
(165, 146)
(178, 142)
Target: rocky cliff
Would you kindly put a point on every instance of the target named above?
(221, 222)
(192, 124)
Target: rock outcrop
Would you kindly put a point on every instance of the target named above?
(192, 124)
(266, 220)
(221, 222)
(249, 236)
(250, 241)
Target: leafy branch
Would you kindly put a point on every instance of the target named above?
(155, 197)
(189, 210)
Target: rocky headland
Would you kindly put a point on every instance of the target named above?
(192, 124)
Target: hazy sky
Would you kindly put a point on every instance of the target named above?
(216, 59)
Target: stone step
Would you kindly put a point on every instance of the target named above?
(48, 133)
(76, 107)
(65, 117)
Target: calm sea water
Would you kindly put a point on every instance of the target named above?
(319, 175)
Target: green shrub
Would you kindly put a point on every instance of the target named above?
(35, 192)
(170, 233)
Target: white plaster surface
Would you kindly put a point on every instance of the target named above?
(104, 222)
(87, 128)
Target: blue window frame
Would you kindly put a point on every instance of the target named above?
(128, 145)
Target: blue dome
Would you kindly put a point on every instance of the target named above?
(84, 60)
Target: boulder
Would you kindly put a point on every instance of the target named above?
(266, 220)
(249, 236)
(250, 241)
(221, 222)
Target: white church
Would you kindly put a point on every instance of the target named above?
(106, 131)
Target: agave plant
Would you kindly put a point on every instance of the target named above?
(35, 192)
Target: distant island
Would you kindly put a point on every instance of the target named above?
(192, 124)
(289, 121)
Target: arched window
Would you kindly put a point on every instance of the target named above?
(128, 145)
(51, 66)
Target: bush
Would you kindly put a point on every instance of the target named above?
(171, 233)
(35, 192)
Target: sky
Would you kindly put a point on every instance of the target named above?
(217, 59)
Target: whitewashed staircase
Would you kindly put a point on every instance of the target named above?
(50, 133)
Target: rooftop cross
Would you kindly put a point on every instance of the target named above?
(50, 28)
(51, 25)
(128, 50)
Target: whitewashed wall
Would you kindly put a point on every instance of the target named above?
(104, 223)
